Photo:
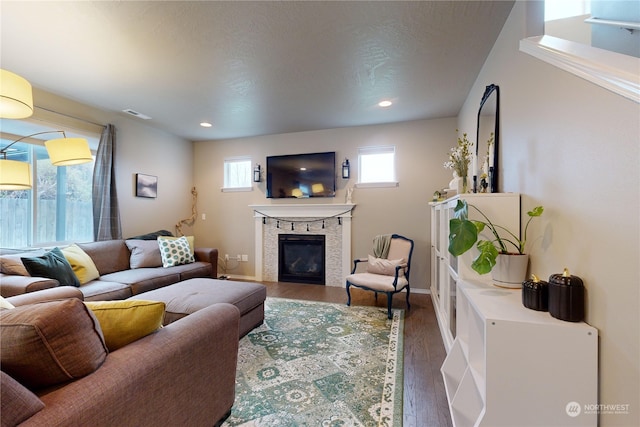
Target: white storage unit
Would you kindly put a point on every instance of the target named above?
(511, 366)
(446, 270)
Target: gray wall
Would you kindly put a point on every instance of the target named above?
(421, 149)
(140, 148)
(574, 147)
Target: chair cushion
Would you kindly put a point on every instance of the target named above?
(377, 282)
(383, 266)
(123, 322)
(52, 265)
(48, 343)
(81, 264)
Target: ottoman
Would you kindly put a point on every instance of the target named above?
(189, 296)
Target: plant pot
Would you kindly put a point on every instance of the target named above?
(510, 270)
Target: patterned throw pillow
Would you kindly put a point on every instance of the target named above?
(175, 252)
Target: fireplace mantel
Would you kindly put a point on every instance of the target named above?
(262, 214)
(303, 211)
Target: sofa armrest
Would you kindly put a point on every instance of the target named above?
(11, 284)
(52, 294)
(182, 374)
(208, 255)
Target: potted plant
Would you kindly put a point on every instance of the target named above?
(464, 233)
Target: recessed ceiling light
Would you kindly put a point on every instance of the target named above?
(385, 103)
(206, 124)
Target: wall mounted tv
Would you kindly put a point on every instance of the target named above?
(301, 175)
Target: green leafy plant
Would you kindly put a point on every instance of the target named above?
(464, 233)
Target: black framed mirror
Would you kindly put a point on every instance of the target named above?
(487, 140)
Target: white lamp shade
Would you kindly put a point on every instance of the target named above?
(68, 151)
(14, 175)
(16, 98)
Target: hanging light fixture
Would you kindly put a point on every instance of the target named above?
(16, 175)
(68, 151)
(16, 97)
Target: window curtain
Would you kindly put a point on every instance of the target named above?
(106, 215)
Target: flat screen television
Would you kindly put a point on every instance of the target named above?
(301, 175)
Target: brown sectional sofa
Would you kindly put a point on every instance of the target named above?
(117, 279)
(182, 374)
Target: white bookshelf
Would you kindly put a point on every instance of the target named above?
(511, 366)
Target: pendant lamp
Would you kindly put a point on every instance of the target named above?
(68, 151)
(14, 175)
(16, 97)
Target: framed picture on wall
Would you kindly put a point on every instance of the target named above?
(146, 186)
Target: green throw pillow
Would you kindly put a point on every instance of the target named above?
(52, 265)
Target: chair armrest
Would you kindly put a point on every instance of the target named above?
(52, 294)
(356, 261)
(209, 255)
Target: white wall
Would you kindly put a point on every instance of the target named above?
(421, 149)
(140, 148)
(573, 147)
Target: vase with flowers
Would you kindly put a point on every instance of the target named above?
(459, 158)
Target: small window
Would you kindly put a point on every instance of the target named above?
(237, 174)
(376, 166)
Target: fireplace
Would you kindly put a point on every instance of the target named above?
(333, 221)
(301, 258)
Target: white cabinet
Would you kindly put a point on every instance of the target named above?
(446, 270)
(511, 366)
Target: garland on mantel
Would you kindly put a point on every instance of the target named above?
(301, 221)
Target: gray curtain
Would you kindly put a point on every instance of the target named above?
(106, 215)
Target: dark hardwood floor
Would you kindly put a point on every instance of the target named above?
(425, 403)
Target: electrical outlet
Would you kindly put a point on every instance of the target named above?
(245, 258)
(226, 257)
(204, 216)
(238, 258)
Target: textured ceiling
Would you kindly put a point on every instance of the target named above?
(254, 68)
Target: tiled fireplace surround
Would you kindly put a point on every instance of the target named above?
(337, 232)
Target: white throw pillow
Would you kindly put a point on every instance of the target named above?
(383, 266)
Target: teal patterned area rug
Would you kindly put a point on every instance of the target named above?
(320, 364)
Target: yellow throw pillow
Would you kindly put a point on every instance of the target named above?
(123, 322)
(81, 264)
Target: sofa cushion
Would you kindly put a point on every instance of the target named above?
(109, 256)
(123, 322)
(175, 252)
(17, 402)
(81, 264)
(383, 266)
(144, 253)
(49, 343)
(12, 264)
(52, 265)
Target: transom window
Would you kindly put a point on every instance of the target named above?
(237, 174)
(376, 166)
